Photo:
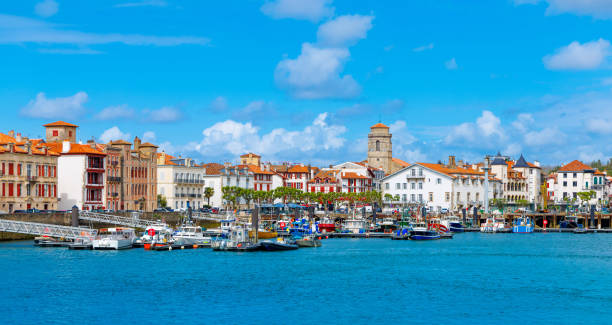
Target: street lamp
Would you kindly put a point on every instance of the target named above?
(486, 184)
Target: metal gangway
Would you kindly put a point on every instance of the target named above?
(42, 229)
(133, 221)
(217, 217)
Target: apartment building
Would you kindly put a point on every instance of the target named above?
(573, 178)
(181, 181)
(28, 174)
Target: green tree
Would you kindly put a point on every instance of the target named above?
(586, 196)
(208, 193)
(161, 201)
(499, 204)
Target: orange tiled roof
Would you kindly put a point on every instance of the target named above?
(148, 144)
(331, 174)
(123, 142)
(213, 168)
(575, 166)
(250, 154)
(400, 162)
(4, 138)
(60, 123)
(75, 149)
(298, 169)
(453, 172)
(599, 172)
(257, 170)
(168, 158)
(352, 175)
(379, 125)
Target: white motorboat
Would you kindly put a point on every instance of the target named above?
(153, 233)
(191, 235)
(355, 226)
(114, 238)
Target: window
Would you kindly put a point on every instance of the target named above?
(574, 184)
(412, 197)
(420, 197)
(377, 145)
(447, 196)
(430, 196)
(405, 185)
(439, 181)
(386, 186)
(413, 172)
(69, 133)
(586, 185)
(574, 175)
(420, 186)
(404, 197)
(420, 171)
(564, 183)
(55, 133)
(397, 186)
(564, 175)
(412, 185)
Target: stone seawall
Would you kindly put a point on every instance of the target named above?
(64, 219)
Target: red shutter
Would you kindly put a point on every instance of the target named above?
(10, 189)
(19, 169)
(18, 189)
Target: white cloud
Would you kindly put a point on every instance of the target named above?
(316, 73)
(578, 56)
(601, 9)
(487, 129)
(146, 3)
(489, 124)
(546, 136)
(231, 138)
(219, 104)
(149, 136)
(116, 112)
(46, 8)
(313, 10)
(429, 46)
(163, 115)
(112, 134)
(513, 149)
(19, 30)
(344, 30)
(451, 64)
(523, 121)
(599, 125)
(70, 51)
(55, 108)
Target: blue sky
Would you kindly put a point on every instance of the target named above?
(302, 81)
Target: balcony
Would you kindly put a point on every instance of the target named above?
(415, 176)
(178, 180)
(113, 179)
(32, 178)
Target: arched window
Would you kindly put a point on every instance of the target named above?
(377, 145)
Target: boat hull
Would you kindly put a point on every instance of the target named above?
(327, 227)
(308, 243)
(522, 229)
(101, 244)
(273, 246)
(424, 235)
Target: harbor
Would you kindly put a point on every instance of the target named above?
(480, 276)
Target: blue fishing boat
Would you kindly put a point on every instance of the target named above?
(453, 223)
(522, 225)
(420, 231)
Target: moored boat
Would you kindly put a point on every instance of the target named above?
(420, 231)
(114, 239)
(308, 241)
(453, 223)
(279, 245)
(189, 235)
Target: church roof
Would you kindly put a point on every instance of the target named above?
(378, 126)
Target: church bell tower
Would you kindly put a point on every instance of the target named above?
(379, 147)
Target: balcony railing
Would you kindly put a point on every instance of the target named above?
(188, 181)
(416, 175)
(113, 179)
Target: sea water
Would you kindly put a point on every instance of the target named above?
(473, 278)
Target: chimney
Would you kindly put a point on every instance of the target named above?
(28, 147)
(537, 163)
(136, 143)
(18, 137)
(460, 164)
(451, 162)
(11, 147)
(11, 133)
(65, 146)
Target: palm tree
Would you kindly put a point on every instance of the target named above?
(208, 193)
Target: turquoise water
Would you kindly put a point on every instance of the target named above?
(474, 278)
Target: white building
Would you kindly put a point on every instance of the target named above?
(440, 186)
(363, 169)
(181, 182)
(520, 179)
(214, 180)
(576, 177)
(80, 176)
